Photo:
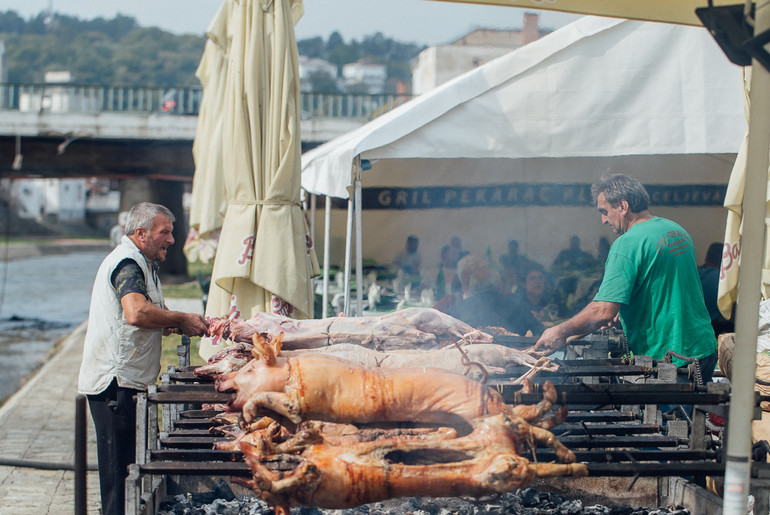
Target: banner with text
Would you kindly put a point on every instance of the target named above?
(529, 194)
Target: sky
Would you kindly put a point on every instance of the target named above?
(407, 21)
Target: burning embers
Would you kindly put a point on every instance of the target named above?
(336, 445)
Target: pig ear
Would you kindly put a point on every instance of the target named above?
(276, 344)
(262, 350)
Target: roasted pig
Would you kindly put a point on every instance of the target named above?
(407, 328)
(319, 387)
(350, 473)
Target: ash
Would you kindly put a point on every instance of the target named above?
(526, 502)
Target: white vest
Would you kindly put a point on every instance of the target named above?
(113, 347)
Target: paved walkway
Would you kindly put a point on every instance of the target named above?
(38, 424)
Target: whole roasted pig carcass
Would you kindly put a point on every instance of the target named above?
(407, 328)
(471, 360)
(314, 386)
(349, 473)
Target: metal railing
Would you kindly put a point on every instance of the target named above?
(83, 98)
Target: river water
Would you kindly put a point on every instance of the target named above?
(42, 299)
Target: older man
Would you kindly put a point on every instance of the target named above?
(650, 283)
(122, 349)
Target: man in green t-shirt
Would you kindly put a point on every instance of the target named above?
(651, 283)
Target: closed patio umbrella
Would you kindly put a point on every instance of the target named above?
(265, 261)
(208, 193)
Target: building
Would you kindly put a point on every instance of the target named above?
(310, 67)
(63, 200)
(438, 64)
(364, 77)
(57, 97)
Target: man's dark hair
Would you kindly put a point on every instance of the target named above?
(622, 187)
(714, 254)
(530, 267)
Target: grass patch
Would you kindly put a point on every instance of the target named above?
(188, 290)
(199, 272)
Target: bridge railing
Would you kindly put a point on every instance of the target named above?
(83, 98)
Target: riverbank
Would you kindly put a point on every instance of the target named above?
(28, 248)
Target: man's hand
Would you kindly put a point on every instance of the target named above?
(612, 323)
(193, 324)
(550, 340)
(595, 315)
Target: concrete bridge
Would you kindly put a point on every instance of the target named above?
(65, 130)
(142, 136)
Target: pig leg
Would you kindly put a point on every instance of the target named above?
(532, 413)
(531, 435)
(277, 402)
(556, 469)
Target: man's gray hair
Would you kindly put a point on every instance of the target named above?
(619, 187)
(484, 279)
(143, 215)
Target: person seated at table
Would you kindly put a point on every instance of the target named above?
(484, 305)
(533, 292)
(573, 257)
(709, 280)
(448, 291)
(456, 252)
(512, 263)
(408, 261)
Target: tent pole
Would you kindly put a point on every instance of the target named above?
(313, 206)
(348, 245)
(327, 232)
(359, 251)
(738, 467)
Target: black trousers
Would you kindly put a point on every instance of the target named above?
(114, 414)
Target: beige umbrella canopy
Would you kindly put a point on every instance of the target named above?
(728, 279)
(677, 11)
(208, 193)
(264, 261)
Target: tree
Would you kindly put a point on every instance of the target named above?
(118, 51)
(11, 23)
(321, 82)
(335, 40)
(342, 55)
(313, 47)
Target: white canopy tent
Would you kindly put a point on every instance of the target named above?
(599, 93)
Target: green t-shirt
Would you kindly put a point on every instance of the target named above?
(651, 271)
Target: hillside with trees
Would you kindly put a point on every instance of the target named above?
(120, 52)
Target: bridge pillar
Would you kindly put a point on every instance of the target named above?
(166, 193)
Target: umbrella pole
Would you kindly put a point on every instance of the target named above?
(313, 209)
(327, 232)
(359, 250)
(348, 245)
(738, 467)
